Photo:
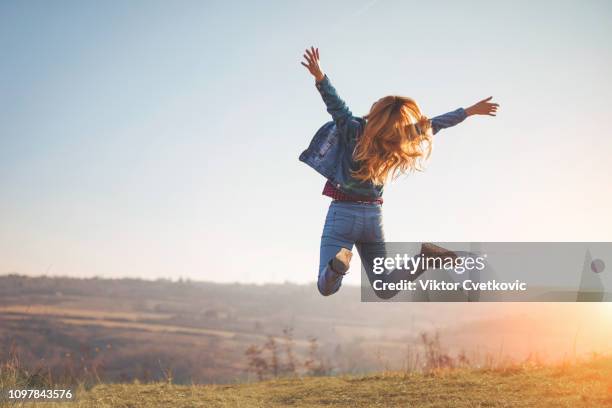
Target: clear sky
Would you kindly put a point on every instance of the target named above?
(160, 139)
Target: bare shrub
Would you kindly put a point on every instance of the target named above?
(435, 357)
(276, 358)
(256, 361)
(290, 366)
(314, 364)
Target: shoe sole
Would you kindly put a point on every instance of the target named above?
(341, 262)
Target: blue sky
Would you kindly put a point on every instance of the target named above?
(160, 139)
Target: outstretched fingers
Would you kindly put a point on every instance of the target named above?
(313, 53)
(493, 108)
(308, 58)
(490, 108)
(311, 62)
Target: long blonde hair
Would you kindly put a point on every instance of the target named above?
(396, 139)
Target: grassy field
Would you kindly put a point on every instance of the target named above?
(117, 331)
(587, 384)
(127, 338)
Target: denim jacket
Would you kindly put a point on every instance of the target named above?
(331, 149)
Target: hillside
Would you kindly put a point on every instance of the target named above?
(588, 384)
(127, 329)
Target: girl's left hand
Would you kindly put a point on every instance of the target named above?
(484, 107)
(312, 57)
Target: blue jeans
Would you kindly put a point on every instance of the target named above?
(359, 224)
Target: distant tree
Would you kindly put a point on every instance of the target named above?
(256, 362)
(289, 343)
(272, 347)
(314, 364)
(435, 355)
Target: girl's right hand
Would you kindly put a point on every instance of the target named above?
(312, 58)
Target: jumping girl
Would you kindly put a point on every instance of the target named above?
(358, 155)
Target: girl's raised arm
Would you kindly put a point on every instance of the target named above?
(484, 107)
(335, 105)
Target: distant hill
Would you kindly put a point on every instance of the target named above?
(126, 329)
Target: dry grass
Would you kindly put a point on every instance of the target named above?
(588, 384)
